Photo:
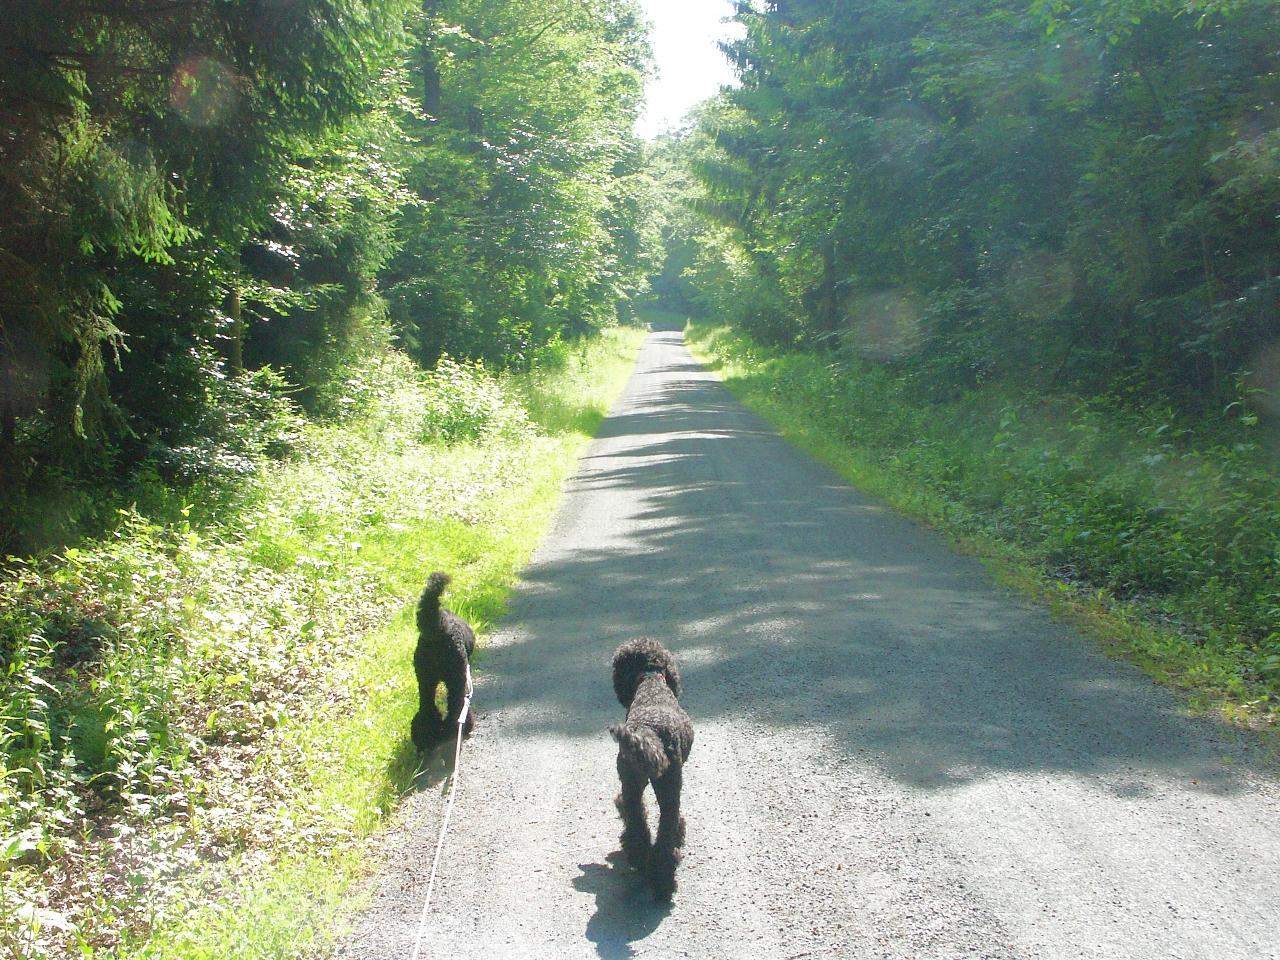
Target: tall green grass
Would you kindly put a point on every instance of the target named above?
(201, 720)
(1164, 535)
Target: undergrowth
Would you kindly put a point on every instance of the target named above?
(201, 717)
(1162, 535)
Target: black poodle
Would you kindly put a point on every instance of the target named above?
(653, 745)
(445, 645)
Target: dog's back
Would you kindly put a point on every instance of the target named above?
(443, 637)
(657, 731)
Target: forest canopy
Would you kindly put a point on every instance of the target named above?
(1075, 194)
(206, 208)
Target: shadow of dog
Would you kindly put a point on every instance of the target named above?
(621, 918)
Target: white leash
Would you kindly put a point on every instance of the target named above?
(444, 825)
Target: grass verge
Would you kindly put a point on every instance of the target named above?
(203, 722)
(1159, 542)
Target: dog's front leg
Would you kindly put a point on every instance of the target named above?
(457, 696)
(630, 803)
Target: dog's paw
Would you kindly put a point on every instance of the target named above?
(661, 873)
(423, 733)
(635, 842)
(636, 848)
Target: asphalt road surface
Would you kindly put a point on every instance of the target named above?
(894, 757)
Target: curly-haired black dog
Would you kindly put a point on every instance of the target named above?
(445, 644)
(653, 745)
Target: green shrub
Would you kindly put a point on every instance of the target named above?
(464, 402)
(244, 420)
(140, 677)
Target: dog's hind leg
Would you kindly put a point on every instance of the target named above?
(630, 803)
(427, 724)
(666, 847)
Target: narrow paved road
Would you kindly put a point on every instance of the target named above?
(894, 757)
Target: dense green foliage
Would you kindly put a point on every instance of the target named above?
(1078, 193)
(531, 221)
(176, 695)
(203, 206)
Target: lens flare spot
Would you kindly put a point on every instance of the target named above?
(1071, 67)
(203, 91)
(1039, 284)
(1264, 380)
(905, 131)
(884, 325)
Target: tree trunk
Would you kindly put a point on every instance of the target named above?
(235, 338)
(429, 66)
(828, 302)
(8, 432)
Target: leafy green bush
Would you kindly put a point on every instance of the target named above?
(243, 420)
(464, 402)
(140, 677)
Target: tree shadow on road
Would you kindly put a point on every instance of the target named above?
(799, 602)
(625, 910)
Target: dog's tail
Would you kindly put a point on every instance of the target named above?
(641, 747)
(429, 602)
